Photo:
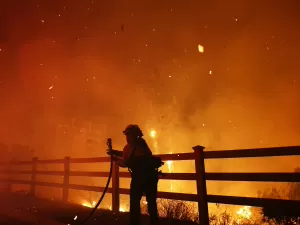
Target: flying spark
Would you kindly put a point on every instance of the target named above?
(200, 48)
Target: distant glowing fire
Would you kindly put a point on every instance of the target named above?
(93, 204)
(123, 209)
(89, 205)
(244, 213)
(153, 134)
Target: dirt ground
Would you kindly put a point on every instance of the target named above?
(19, 209)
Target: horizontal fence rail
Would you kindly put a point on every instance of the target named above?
(256, 177)
(200, 176)
(253, 153)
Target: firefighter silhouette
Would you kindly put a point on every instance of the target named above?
(137, 157)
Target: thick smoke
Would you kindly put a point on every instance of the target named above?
(139, 63)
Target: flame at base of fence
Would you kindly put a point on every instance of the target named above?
(167, 207)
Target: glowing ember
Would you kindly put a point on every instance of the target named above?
(244, 212)
(153, 133)
(50, 87)
(75, 218)
(200, 48)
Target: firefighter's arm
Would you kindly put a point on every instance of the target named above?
(115, 153)
(116, 156)
(122, 161)
(119, 156)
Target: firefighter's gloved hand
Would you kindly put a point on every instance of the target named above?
(109, 152)
(114, 158)
(160, 173)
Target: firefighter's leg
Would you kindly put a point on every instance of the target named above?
(151, 195)
(136, 193)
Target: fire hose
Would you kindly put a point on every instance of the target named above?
(157, 163)
(109, 144)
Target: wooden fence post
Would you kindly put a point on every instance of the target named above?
(115, 188)
(66, 179)
(201, 185)
(33, 176)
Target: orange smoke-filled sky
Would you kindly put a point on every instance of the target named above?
(119, 62)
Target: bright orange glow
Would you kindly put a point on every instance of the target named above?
(123, 208)
(244, 213)
(153, 133)
(68, 82)
(89, 205)
(169, 164)
(200, 48)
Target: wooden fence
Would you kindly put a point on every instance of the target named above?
(200, 176)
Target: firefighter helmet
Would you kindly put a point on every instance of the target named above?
(134, 130)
